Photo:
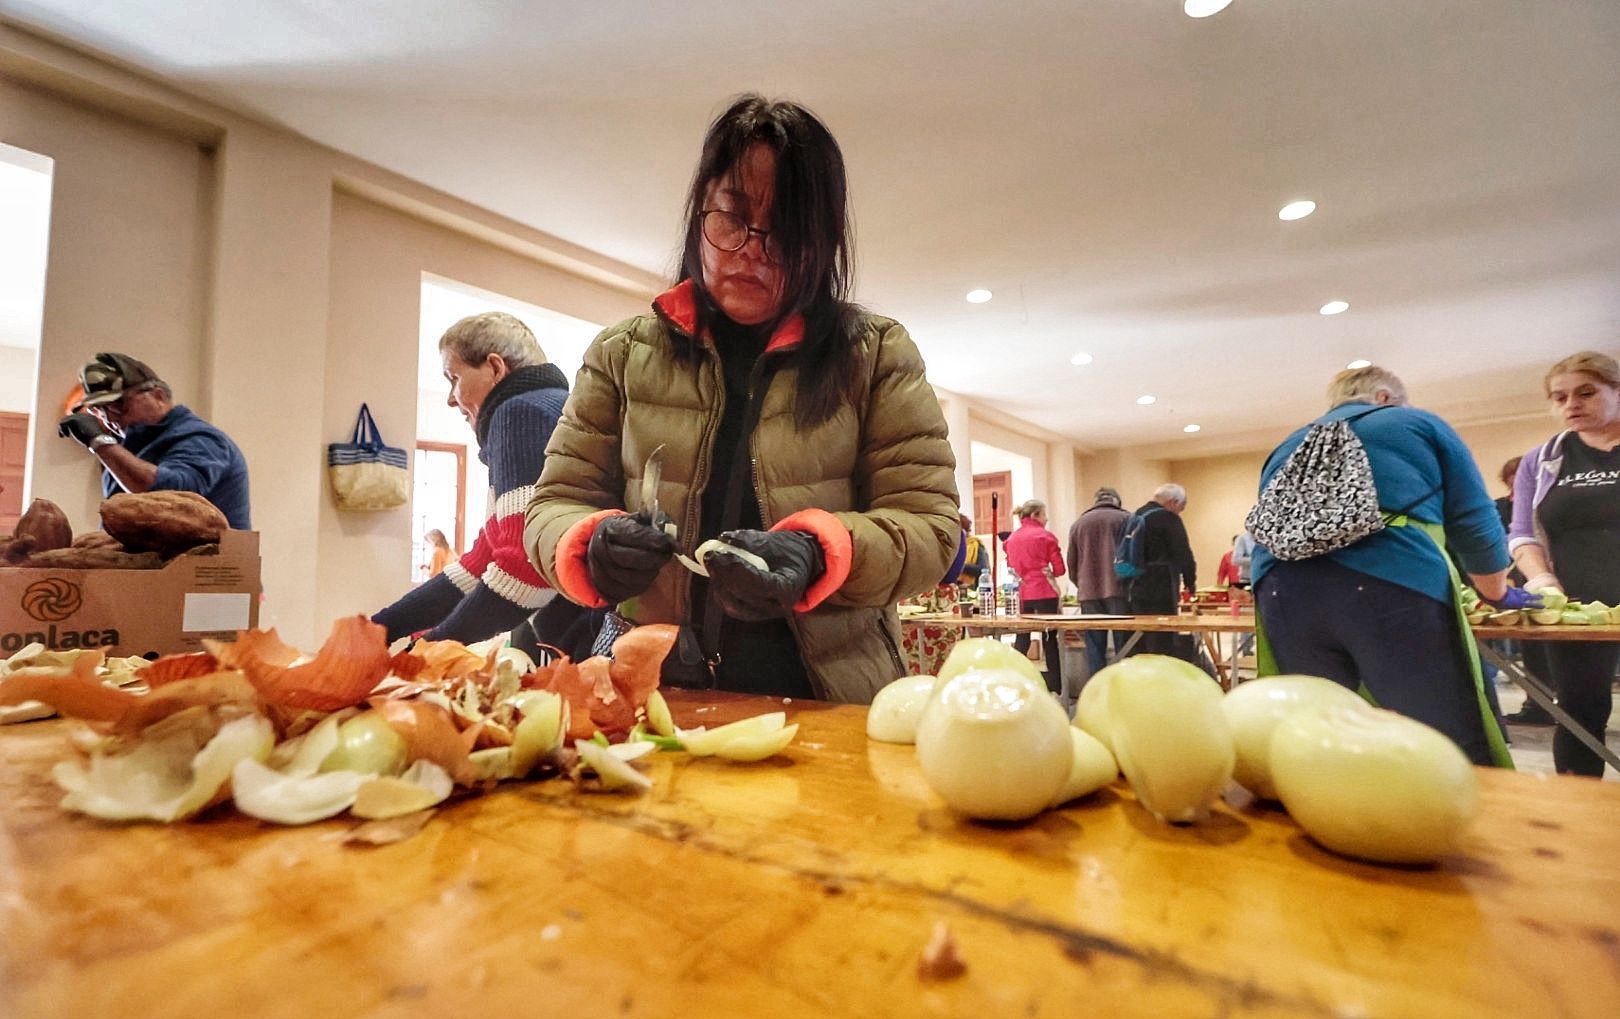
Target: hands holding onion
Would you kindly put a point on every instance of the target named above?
(755, 574)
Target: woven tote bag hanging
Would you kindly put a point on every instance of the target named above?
(367, 475)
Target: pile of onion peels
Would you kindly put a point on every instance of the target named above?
(293, 739)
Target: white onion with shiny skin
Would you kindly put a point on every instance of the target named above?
(1091, 768)
(1091, 709)
(898, 708)
(1253, 710)
(985, 653)
(1369, 783)
(994, 745)
(1170, 736)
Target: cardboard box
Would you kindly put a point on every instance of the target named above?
(135, 612)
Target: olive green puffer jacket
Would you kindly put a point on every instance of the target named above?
(881, 466)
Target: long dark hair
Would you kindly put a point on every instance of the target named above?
(810, 223)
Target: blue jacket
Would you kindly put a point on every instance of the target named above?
(191, 456)
(1422, 468)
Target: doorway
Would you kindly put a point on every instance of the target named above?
(25, 209)
(451, 482)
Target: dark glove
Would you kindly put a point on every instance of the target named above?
(81, 427)
(749, 593)
(625, 555)
(1517, 598)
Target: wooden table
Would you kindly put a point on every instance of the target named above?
(802, 886)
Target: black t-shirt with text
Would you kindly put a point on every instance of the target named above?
(1581, 516)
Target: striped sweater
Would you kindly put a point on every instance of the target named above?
(493, 587)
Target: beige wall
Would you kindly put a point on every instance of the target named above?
(125, 270)
(1220, 491)
(204, 243)
(1496, 443)
(17, 380)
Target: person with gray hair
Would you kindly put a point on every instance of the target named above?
(1374, 604)
(1167, 566)
(1372, 384)
(146, 442)
(512, 397)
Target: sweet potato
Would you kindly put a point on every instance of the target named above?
(164, 522)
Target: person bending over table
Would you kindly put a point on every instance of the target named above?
(795, 426)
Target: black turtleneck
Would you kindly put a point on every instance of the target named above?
(754, 657)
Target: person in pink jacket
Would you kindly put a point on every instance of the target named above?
(1033, 553)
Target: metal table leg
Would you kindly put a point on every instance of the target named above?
(1537, 691)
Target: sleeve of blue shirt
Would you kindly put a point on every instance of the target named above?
(194, 464)
(1473, 527)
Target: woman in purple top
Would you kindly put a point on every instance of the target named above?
(1565, 536)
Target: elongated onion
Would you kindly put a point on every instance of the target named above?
(1092, 767)
(1170, 736)
(898, 708)
(1091, 709)
(1253, 710)
(1372, 784)
(994, 745)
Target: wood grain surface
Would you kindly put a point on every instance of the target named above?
(805, 885)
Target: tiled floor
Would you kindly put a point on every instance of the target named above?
(1531, 745)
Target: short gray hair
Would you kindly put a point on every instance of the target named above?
(1169, 493)
(1364, 384)
(476, 337)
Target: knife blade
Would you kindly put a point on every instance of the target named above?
(652, 473)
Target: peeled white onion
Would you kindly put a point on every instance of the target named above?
(994, 746)
(1170, 735)
(1091, 768)
(985, 653)
(1091, 709)
(1253, 710)
(898, 708)
(1369, 783)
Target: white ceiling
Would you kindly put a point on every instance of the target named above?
(1111, 169)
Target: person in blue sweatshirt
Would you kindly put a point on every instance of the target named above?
(1380, 615)
(147, 443)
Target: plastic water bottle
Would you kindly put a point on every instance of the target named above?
(1009, 596)
(987, 594)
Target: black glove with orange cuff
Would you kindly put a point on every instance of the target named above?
(793, 559)
(624, 556)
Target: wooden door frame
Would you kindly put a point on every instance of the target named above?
(461, 485)
(8, 522)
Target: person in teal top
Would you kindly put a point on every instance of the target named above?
(1381, 615)
(1422, 467)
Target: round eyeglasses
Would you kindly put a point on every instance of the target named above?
(729, 232)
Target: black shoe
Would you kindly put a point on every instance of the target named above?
(1529, 716)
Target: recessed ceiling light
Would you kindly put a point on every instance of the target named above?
(1335, 307)
(1297, 210)
(1145, 399)
(1358, 363)
(1204, 8)
(1080, 359)
(978, 296)
(1189, 429)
